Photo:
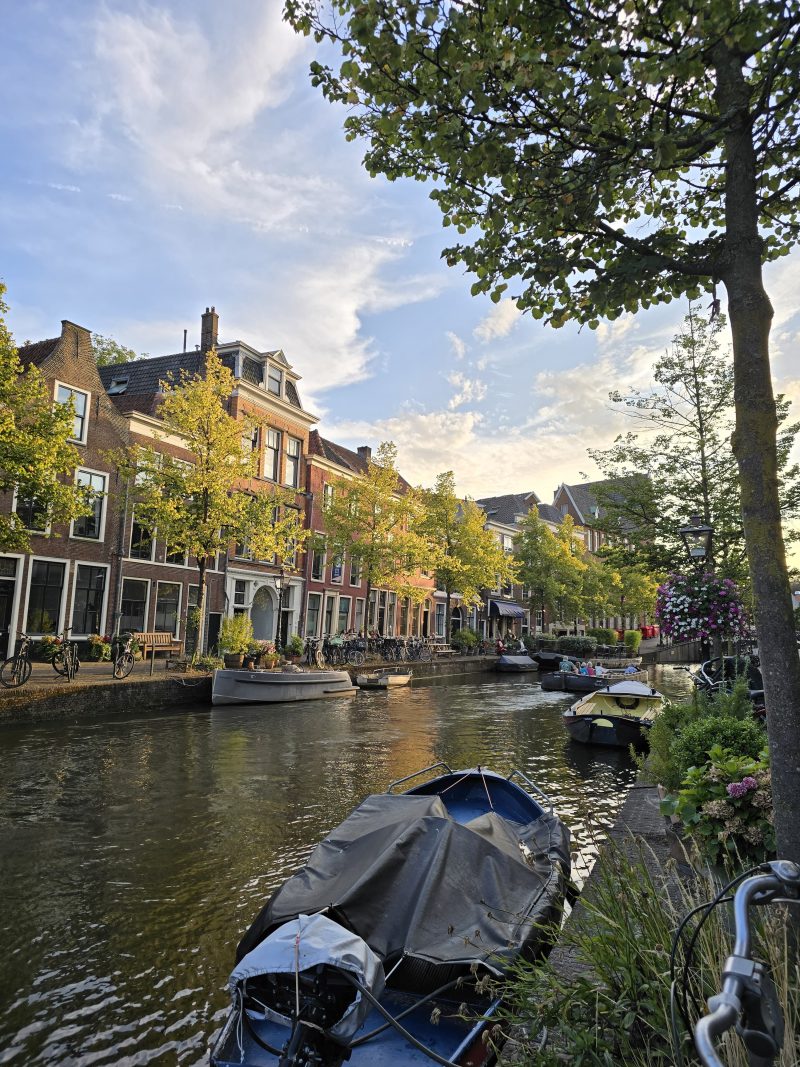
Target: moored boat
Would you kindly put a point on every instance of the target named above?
(378, 950)
(384, 678)
(569, 682)
(274, 687)
(515, 663)
(618, 715)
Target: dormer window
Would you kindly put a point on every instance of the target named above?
(252, 371)
(117, 386)
(274, 380)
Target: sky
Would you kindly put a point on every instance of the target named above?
(159, 158)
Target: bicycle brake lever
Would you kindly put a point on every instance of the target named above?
(761, 1026)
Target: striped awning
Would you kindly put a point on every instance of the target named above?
(507, 608)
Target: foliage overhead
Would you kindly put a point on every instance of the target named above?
(579, 147)
(36, 459)
(680, 463)
(108, 352)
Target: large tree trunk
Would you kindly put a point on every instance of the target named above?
(754, 446)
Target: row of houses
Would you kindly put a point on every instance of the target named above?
(106, 572)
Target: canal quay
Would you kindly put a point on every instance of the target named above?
(136, 849)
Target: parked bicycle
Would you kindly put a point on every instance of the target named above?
(313, 653)
(124, 659)
(65, 658)
(16, 670)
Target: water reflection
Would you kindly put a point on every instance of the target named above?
(136, 851)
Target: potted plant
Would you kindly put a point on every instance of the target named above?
(293, 649)
(263, 653)
(99, 647)
(235, 638)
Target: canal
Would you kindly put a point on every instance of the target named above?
(135, 851)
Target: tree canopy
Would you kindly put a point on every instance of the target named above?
(37, 462)
(108, 352)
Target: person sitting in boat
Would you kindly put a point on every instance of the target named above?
(599, 670)
(583, 669)
(630, 669)
(566, 666)
(590, 669)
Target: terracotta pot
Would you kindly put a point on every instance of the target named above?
(233, 659)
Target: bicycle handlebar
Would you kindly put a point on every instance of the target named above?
(747, 991)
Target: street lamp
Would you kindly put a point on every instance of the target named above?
(280, 583)
(697, 538)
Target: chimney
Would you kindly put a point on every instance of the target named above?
(365, 452)
(209, 329)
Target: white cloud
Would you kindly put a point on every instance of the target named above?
(468, 390)
(458, 346)
(499, 322)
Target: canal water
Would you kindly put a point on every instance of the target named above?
(135, 851)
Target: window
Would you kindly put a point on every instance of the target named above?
(118, 386)
(355, 571)
(328, 493)
(133, 612)
(391, 614)
(344, 614)
(318, 564)
(330, 602)
(358, 622)
(293, 462)
(250, 441)
(272, 455)
(404, 616)
(381, 619)
(337, 570)
(91, 525)
(252, 371)
(177, 557)
(274, 379)
(80, 403)
(32, 513)
(141, 541)
(440, 620)
(87, 606)
(239, 593)
(312, 614)
(44, 600)
(243, 550)
(168, 602)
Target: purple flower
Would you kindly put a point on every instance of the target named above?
(750, 782)
(736, 790)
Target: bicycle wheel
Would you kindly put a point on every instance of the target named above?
(123, 665)
(319, 659)
(425, 654)
(15, 672)
(355, 658)
(59, 665)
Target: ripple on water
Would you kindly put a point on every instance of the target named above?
(141, 849)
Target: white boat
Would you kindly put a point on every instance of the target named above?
(384, 678)
(618, 715)
(277, 687)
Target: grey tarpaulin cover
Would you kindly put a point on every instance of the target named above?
(407, 878)
(301, 945)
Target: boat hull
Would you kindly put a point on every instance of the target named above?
(277, 687)
(515, 664)
(567, 682)
(613, 731)
(389, 678)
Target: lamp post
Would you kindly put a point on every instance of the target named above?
(280, 582)
(698, 539)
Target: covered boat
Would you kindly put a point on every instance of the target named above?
(549, 661)
(569, 682)
(273, 687)
(384, 678)
(378, 950)
(515, 663)
(618, 715)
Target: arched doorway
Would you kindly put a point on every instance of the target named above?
(262, 614)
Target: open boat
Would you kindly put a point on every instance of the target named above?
(384, 678)
(615, 715)
(569, 682)
(274, 687)
(378, 950)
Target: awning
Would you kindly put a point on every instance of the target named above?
(505, 607)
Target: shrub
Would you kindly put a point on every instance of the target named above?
(464, 639)
(236, 633)
(738, 737)
(547, 641)
(531, 642)
(632, 641)
(603, 634)
(206, 664)
(580, 646)
(98, 647)
(726, 805)
(294, 646)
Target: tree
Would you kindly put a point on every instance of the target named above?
(606, 157)
(372, 518)
(108, 352)
(36, 460)
(551, 565)
(200, 507)
(468, 557)
(682, 464)
(636, 591)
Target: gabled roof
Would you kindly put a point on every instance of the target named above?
(341, 456)
(141, 392)
(584, 497)
(505, 509)
(38, 351)
(550, 514)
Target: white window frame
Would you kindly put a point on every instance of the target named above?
(297, 460)
(324, 554)
(140, 559)
(134, 578)
(355, 567)
(166, 581)
(74, 389)
(104, 611)
(340, 579)
(40, 533)
(359, 615)
(103, 510)
(18, 584)
(276, 477)
(272, 370)
(59, 628)
(319, 595)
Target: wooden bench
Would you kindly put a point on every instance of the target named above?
(158, 641)
(444, 650)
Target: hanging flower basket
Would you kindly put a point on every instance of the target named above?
(692, 607)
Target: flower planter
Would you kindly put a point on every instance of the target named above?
(233, 659)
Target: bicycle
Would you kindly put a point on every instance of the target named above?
(65, 658)
(123, 663)
(16, 670)
(748, 999)
(314, 656)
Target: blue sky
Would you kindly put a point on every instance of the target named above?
(159, 158)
